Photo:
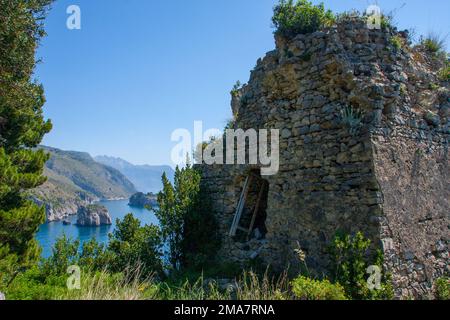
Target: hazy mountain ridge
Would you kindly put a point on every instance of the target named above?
(146, 178)
(74, 180)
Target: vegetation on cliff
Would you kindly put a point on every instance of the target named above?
(142, 200)
(85, 173)
(292, 18)
(75, 180)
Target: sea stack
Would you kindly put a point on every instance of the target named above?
(142, 200)
(93, 215)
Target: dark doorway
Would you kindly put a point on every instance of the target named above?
(250, 217)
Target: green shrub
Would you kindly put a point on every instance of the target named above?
(34, 284)
(397, 42)
(444, 73)
(132, 245)
(434, 43)
(95, 256)
(433, 86)
(64, 254)
(351, 259)
(291, 19)
(236, 88)
(442, 288)
(309, 289)
(387, 21)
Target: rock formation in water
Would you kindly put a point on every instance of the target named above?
(93, 215)
(141, 200)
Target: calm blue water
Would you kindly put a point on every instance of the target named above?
(49, 232)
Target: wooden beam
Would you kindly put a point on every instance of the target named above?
(255, 212)
(240, 207)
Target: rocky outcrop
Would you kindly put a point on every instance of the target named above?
(364, 131)
(74, 180)
(93, 215)
(58, 209)
(142, 200)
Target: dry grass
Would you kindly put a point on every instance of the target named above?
(104, 286)
(130, 286)
(251, 287)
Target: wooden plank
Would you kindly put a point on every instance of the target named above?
(240, 208)
(242, 229)
(255, 212)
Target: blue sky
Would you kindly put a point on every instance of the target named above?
(139, 69)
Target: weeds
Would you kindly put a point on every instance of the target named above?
(434, 43)
(397, 42)
(442, 288)
(352, 118)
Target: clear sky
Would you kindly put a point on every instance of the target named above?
(139, 69)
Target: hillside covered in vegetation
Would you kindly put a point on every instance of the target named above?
(75, 179)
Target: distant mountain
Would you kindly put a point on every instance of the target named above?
(145, 178)
(75, 179)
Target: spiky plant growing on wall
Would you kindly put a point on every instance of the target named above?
(352, 119)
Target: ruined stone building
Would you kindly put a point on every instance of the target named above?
(364, 132)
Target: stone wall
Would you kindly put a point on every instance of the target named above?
(386, 175)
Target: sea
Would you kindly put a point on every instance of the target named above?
(49, 232)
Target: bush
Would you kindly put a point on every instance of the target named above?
(309, 289)
(433, 43)
(442, 288)
(397, 42)
(444, 73)
(64, 254)
(132, 245)
(351, 260)
(236, 88)
(291, 19)
(34, 284)
(95, 256)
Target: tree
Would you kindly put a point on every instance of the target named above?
(186, 221)
(175, 203)
(22, 127)
(133, 246)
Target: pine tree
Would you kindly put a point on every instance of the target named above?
(175, 204)
(22, 127)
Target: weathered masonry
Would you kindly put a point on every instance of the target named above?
(364, 147)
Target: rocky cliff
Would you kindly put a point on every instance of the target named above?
(364, 131)
(75, 180)
(141, 200)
